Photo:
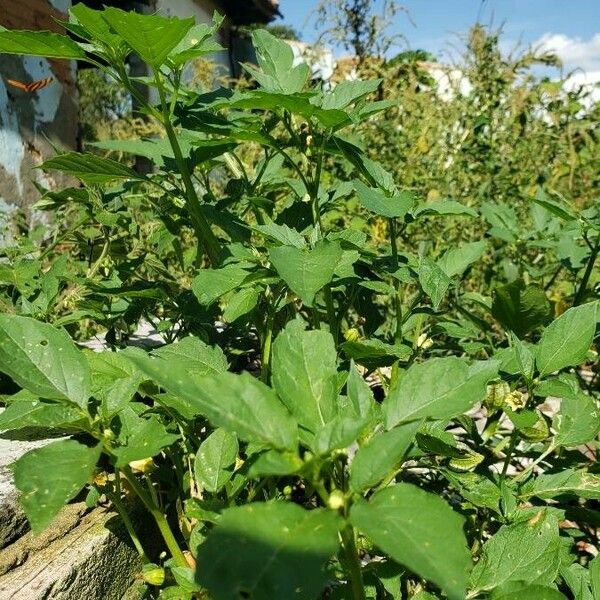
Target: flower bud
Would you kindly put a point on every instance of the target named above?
(145, 465)
(336, 500)
(352, 335)
(153, 574)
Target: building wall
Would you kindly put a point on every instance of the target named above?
(30, 123)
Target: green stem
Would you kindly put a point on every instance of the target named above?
(331, 316)
(159, 518)
(536, 462)
(116, 501)
(353, 563)
(397, 299)
(588, 272)
(265, 362)
(204, 233)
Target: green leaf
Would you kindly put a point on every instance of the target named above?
(595, 576)
(274, 462)
(89, 168)
(569, 481)
(440, 388)
(305, 374)
(340, 433)
(267, 551)
(346, 93)
(215, 460)
(418, 530)
(43, 360)
(239, 403)
(456, 260)
(477, 489)
(283, 234)
(276, 59)
(197, 42)
(560, 210)
(524, 357)
(241, 303)
(577, 578)
(386, 206)
(577, 422)
(50, 476)
(443, 207)
(521, 308)
(210, 284)
(306, 271)
(37, 413)
(359, 393)
(433, 280)
(153, 37)
(380, 456)
(94, 25)
(193, 355)
(520, 591)
(527, 552)
(565, 342)
(147, 439)
(40, 43)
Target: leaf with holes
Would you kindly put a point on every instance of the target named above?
(43, 360)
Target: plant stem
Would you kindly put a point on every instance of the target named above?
(116, 501)
(588, 272)
(353, 563)
(333, 328)
(204, 233)
(159, 518)
(536, 462)
(397, 299)
(265, 361)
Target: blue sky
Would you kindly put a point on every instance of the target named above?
(570, 27)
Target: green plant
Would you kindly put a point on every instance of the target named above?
(445, 478)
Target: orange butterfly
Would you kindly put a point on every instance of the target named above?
(34, 86)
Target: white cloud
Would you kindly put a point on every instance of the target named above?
(575, 52)
(581, 58)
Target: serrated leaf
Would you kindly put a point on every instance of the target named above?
(359, 393)
(346, 93)
(193, 355)
(37, 413)
(380, 456)
(239, 403)
(276, 59)
(433, 280)
(565, 342)
(146, 440)
(213, 466)
(210, 284)
(456, 260)
(305, 374)
(43, 360)
(90, 168)
(241, 303)
(578, 421)
(283, 234)
(50, 476)
(444, 207)
(521, 591)
(520, 308)
(418, 530)
(306, 271)
(440, 388)
(40, 43)
(527, 552)
(569, 481)
(267, 551)
(153, 37)
(386, 206)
